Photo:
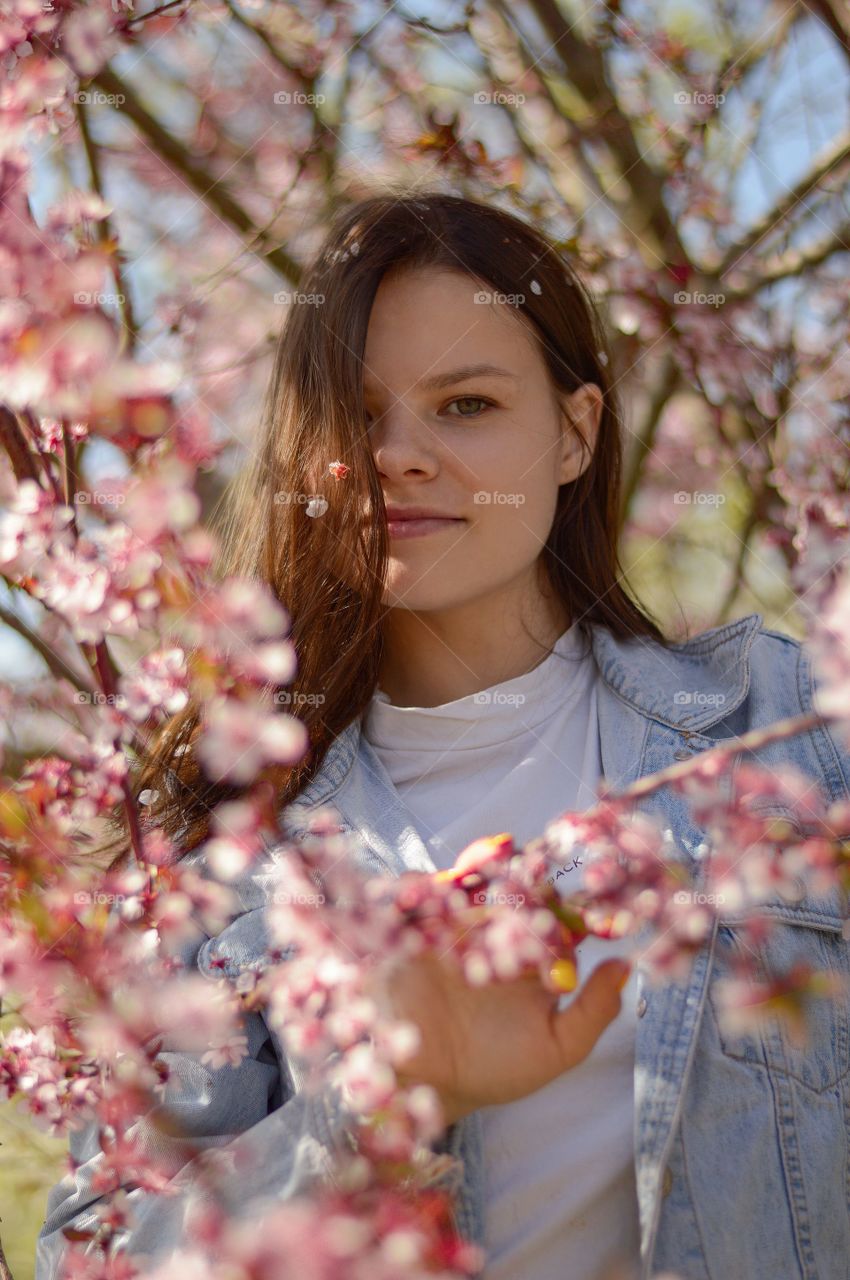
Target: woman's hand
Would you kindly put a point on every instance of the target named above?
(496, 1043)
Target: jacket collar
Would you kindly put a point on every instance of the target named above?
(688, 686)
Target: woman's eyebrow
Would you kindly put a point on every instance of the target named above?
(466, 371)
(461, 374)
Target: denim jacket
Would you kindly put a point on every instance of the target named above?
(742, 1145)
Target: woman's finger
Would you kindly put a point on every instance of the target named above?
(596, 1004)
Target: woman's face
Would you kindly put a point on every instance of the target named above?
(488, 449)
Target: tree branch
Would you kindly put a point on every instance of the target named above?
(584, 65)
(57, 665)
(794, 262)
(575, 131)
(825, 10)
(125, 305)
(750, 522)
(459, 28)
(17, 447)
(832, 160)
(209, 188)
(321, 133)
(645, 437)
(154, 13)
(753, 740)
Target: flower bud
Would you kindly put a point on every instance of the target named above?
(475, 855)
(564, 974)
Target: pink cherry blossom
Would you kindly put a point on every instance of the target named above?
(240, 737)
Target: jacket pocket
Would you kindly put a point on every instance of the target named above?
(809, 931)
(823, 1058)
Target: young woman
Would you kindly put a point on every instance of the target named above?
(469, 663)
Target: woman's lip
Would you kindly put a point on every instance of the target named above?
(421, 526)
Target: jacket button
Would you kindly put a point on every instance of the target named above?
(641, 1006)
(667, 1182)
(681, 754)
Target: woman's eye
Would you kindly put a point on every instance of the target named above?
(469, 400)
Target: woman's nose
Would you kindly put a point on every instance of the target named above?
(401, 441)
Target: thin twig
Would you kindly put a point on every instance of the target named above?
(125, 305)
(153, 13)
(752, 741)
(69, 468)
(459, 28)
(58, 666)
(836, 156)
(107, 674)
(750, 523)
(796, 261)
(645, 436)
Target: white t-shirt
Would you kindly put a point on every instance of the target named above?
(560, 1200)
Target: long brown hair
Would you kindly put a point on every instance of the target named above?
(329, 578)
